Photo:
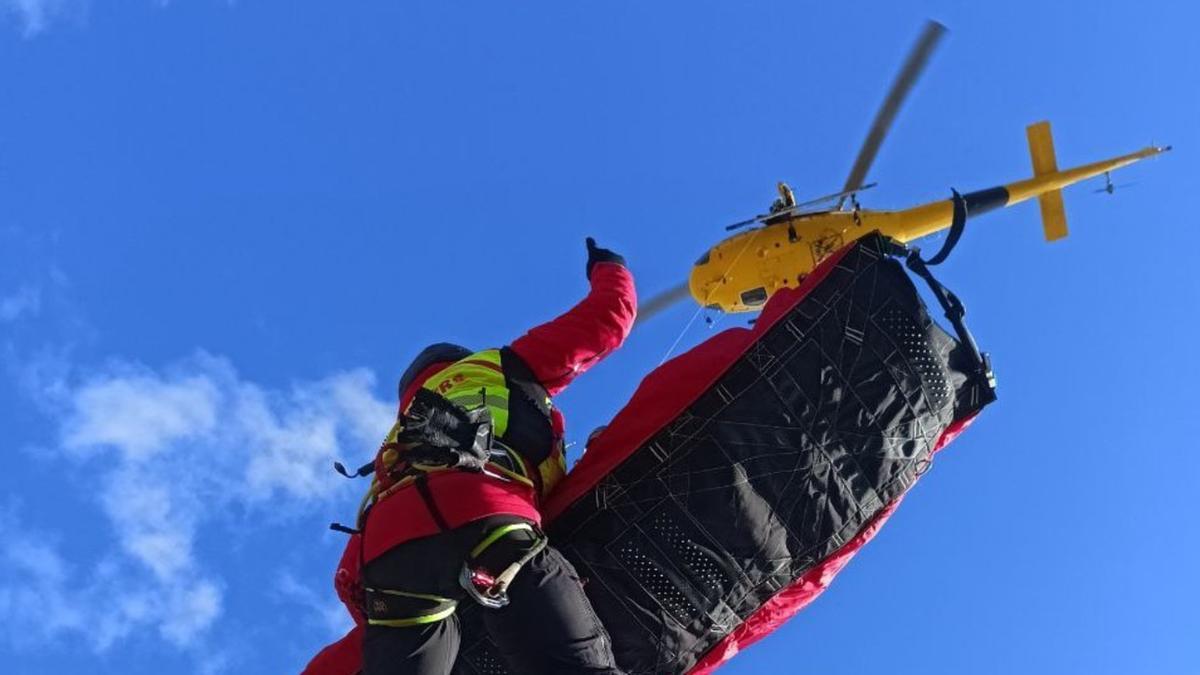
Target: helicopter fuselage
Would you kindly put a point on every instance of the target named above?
(743, 271)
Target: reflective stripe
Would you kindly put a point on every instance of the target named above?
(415, 621)
(443, 608)
(497, 534)
(496, 366)
(476, 381)
(503, 473)
(472, 401)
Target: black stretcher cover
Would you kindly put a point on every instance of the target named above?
(745, 473)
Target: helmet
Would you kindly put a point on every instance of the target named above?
(440, 352)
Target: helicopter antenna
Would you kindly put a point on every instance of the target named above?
(917, 59)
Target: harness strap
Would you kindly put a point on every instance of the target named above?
(517, 468)
(481, 585)
(495, 536)
(402, 609)
(416, 476)
(364, 470)
(422, 484)
(387, 607)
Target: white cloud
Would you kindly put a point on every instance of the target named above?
(172, 454)
(36, 579)
(296, 442)
(156, 527)
(26, 300)
(44, 597)
(35, 15)
(141, 414)
(194, 608)
(324, 610)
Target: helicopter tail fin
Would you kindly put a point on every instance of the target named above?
(1041, 151)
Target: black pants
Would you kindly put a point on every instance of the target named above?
(548, 626)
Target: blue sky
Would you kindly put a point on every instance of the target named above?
(225, 227)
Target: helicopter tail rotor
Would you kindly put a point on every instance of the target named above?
(1041, 151)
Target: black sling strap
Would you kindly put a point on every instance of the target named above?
(951, 305)
(957, 224)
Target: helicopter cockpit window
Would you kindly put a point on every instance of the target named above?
(703, 260)
(754, 297)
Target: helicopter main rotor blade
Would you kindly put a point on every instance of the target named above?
(662, 301)
(749, 221)
(795, 208)
(918, 57)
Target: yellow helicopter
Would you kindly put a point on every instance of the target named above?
(783, 245)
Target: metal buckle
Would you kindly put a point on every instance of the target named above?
(483, 588)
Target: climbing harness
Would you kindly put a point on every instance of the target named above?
(486, 574)
(435, 434)
(479, 576)
(455, 422)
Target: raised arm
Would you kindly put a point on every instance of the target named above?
(561, 349)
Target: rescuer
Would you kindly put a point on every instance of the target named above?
(452, 512)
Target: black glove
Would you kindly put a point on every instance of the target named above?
(599, 255)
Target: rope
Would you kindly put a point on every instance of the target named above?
(749, 240)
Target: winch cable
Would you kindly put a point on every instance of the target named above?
(708, 296)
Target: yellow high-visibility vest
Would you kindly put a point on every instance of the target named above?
(474, 381)
(479, 380)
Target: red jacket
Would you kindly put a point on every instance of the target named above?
(556, 352)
